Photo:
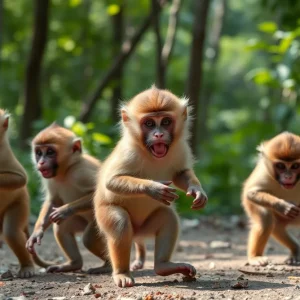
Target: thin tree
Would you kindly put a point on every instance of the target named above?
(194, 80)
(163, 52)
(128, 48)
(214, 47)
(118, 33)
(32, 96)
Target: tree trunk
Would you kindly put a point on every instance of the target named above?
(1, 27)
(160, 76)
(32, 104)
(214, 45)
(127, 49)
(118, 33)
(194, 83)
(171, 37)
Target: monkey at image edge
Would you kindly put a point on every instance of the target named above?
(133, 196)
(271, 197)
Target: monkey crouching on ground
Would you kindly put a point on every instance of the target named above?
(271, 197)
(68, 179)
(133, 196)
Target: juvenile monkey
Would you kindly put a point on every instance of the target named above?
(68, 178)
(14, 203)
(133, 196)
(271, 197)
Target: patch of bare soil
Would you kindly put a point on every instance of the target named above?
(216, 247)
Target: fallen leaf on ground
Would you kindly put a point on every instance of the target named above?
(7, 275)
(88, 290)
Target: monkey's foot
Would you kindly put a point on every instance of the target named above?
(26, 272)
(258, 261)
(137, 265)
(66, 267)
(123, 280)
(168, 268)
(293, 260)
(106, 268)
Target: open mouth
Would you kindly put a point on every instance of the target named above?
(46, 173)
(159, 150)
(288, 186)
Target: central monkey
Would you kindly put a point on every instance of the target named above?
(133, 195)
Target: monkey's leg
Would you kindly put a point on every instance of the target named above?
(64, 234)
(165, 225)
(95, 241)
(140, 255)
(281, 235)
(14, 224)
(117, 226)
(259, 234)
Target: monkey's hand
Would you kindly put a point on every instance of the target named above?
(161, 192)
(198, 193)
(36, 237)
(61, 213)
(287, 210)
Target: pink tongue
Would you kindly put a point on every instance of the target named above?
(160, 149)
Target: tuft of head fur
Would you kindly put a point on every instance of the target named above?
(284, 146)
(155, 100)
(54, 134)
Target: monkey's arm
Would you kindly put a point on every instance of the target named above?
(267, 200)
(12, 180)
(132, 186)
(61, 213)
(43, 221)
(187, 181)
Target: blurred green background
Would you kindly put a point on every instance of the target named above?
(238, 60)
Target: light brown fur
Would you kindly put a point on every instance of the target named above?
(269, 206)
(133, 196)
(68, 197)
(14, 204)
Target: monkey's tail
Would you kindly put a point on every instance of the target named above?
(37, 260)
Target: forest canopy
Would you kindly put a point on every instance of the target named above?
(74, 61)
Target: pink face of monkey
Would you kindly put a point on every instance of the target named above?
(287, 173)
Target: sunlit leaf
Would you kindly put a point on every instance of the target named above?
(113, 9)
(79, 128)
(268, 27)
(260, 76)
(74, 3)
(69, 121)
(285, 43)
(66, 43)
(101, 138)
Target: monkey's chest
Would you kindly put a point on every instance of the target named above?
(292, 195)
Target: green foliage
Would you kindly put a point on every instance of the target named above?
(254, 86)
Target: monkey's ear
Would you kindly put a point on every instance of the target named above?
(124, 115)
(6, 122)
(185, 113)
(77, 146)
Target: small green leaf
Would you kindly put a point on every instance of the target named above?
(113, 9)
(268, 27)
(79, 128)
(66, 43)
(74, 3)
(102, 138)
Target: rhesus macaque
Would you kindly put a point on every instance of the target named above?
(68, 179)
(133, 196)
(271, 197)
(14, 202)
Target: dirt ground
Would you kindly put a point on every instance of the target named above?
(216, 247)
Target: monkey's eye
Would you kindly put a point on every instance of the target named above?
(295, 166)
(166, 121)
(149, 123)
(280, 166)
(50, 152)
(38, 152)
